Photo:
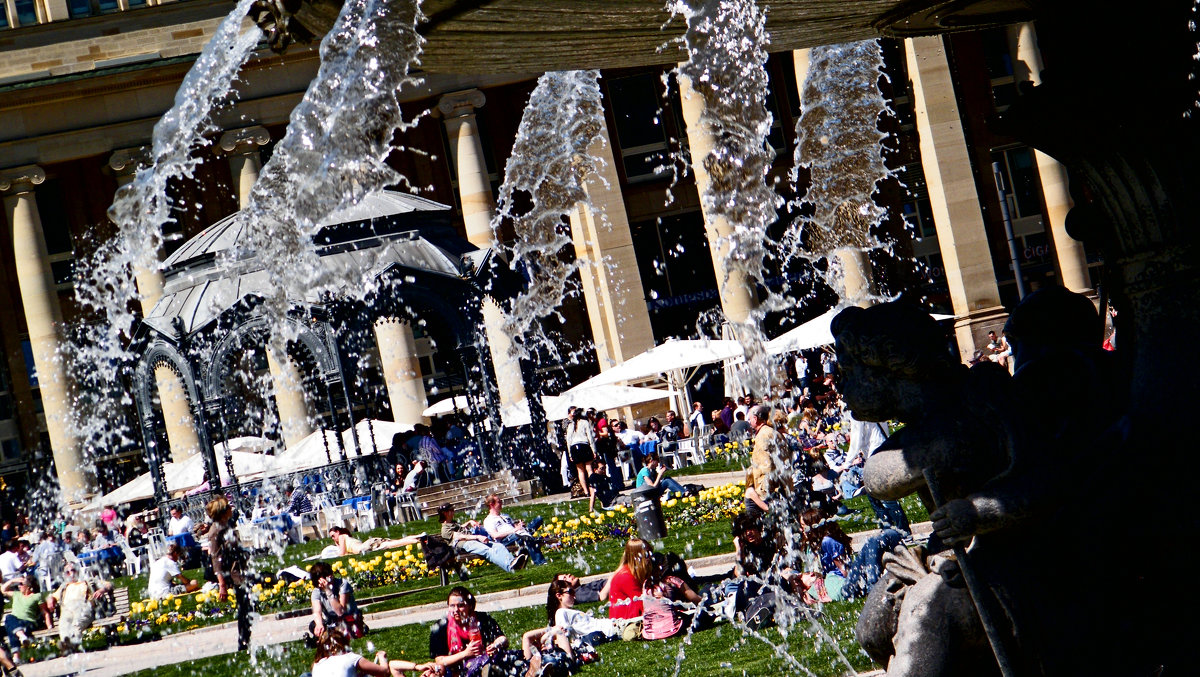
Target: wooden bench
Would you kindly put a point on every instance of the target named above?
(120, 602)
(466, 558)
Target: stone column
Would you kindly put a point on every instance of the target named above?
(245, 161)
(401, 370)
(735, 289)
(608, 268)
(957, 214)
(855, 265)
(43, 317)
(1068, 252)
(125, 164)
(52, 10)
(475, 194)
(295, 419)
(177, 413)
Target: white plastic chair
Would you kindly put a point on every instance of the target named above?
(407, 509)
(133, 558)
(365, 517)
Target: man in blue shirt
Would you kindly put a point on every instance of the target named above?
(655, 474)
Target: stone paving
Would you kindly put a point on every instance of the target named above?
(270, 630)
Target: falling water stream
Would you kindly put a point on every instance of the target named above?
(551, 158)
(340, 136)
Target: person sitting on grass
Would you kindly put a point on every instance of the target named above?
(349, 545)
(663, 597)
(333, 604)
(74, 599)
(600, 487)
(166, 578)
(28, 611)
(466, 539)
(334, 659)
(624, 590)
(508, 531)
(846, 575)
(654, 473)
(466, 642)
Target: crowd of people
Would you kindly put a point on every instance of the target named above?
(650, 596)
(807, 455)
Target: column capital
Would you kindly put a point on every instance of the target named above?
(17, 180)
(128, 161)
(245, 140)
(460, 104)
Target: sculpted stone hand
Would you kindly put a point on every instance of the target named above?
(956, 522)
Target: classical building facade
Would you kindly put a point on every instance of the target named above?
(82, 84)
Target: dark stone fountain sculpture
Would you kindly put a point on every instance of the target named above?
(995, 459)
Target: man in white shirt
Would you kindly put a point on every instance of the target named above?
(15, 560)
(179, 523)
(166, 578)
(865, 438)
(696, 420)
(507, 531)
(630, 437)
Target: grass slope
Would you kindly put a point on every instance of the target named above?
(723, 650)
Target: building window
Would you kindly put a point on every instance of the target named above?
(26, 13)
(56, 229)
(82, 8)
(915, 209)
(999, 63)
(638, 115)
(931, 267)
(1021, 185)
(11, 449)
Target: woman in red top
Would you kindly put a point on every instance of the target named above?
(624, 589)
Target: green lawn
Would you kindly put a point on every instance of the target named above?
(690, 541)
(723, 650)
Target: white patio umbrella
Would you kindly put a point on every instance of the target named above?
(382, 431)
(600, 398)
(603, 398)
(249, 444)
(189, 473)
(182, 476)
(812, 334)
(676, 361)
(309, 452)
(446, 406)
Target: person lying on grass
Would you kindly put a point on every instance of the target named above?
(571, 637)
(334, 659)
(349, 545)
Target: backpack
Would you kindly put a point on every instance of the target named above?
(438, 552)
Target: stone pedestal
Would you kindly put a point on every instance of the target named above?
(962, 237)
(43, 317)
(401, 370)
